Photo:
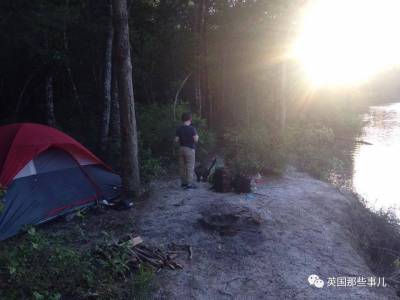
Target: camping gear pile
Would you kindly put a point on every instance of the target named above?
(224, 182)
(221, 179)
(46, 174)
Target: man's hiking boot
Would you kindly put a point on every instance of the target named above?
(184, 185)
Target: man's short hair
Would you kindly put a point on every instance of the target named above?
(186, 116)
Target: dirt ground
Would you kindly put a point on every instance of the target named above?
(259, 246)
(263, 245)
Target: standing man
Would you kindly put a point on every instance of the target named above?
(187, 137)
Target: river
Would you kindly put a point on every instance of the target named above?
(374, 171)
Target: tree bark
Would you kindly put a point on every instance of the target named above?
(68, 64)
(283, 98)
(197, 85)
(114, 144)
(204, 62)
(200, 76)
(204, 84)
(129, 138)
(50, 115)
(222, 101)
(107, 78)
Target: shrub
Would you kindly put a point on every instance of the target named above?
(310, 148)
(157, 131)
(39, 269)
(307, 146)
(207, 138)
(36, 267)
(150, 166)
(157, 149)
(251, 150)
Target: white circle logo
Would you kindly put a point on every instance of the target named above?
(314, 280)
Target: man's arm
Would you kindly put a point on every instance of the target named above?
(176, 139)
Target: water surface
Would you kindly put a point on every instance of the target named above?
(376, 168)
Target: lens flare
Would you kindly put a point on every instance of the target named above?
(348, 41)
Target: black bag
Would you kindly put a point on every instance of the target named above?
(222, 181)
(241, 184)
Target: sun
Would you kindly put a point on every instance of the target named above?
(344, 42)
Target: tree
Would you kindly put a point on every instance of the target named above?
(129, 137)
(50, 115)
(107, 84)
(67, 60)
(201, 53)
(114, 141)
(49, 94)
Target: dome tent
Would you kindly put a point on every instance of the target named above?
(47, 174)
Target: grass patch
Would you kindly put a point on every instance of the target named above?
(34, 266)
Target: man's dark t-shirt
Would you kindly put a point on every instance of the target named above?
(186, 134)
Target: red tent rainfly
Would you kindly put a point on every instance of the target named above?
(47, 173)
(20, 143)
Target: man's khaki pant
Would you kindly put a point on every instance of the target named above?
(186, 164)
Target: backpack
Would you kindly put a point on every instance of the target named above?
(222, 181)
(241, 184)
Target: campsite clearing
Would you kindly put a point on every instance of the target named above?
(259, 247)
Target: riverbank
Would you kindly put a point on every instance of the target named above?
(262, 246)
(259, 246)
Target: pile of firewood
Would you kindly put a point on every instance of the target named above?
(152, 255)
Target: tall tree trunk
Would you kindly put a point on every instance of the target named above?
(204, 84)
(107, 78)
(129, 137)
(114, 144)
(68, 64)
(283, 97)
(220, 114)
(204, 61)
(200, 58)
(50, 115)
(197, 85)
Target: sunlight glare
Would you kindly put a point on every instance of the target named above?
(348, 41)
